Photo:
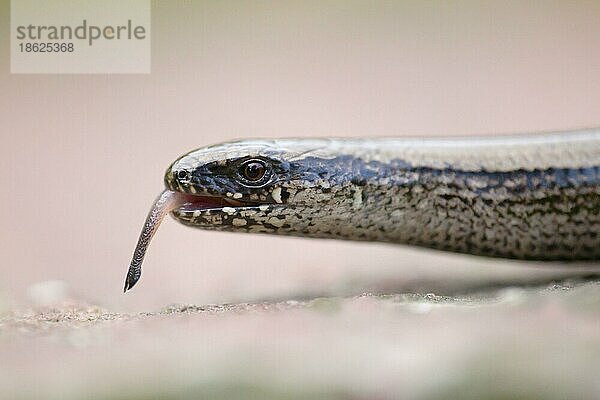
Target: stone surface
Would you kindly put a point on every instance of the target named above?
(514, 342)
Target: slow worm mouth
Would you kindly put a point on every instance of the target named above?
(199, 202)
(166, 202)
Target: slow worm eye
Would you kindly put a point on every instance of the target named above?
(254, 170)
(183, 175)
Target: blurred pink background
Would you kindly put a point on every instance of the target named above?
(83, 156)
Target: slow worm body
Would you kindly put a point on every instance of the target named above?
(531, 197)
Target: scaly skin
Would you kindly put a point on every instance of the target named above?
(533, 197)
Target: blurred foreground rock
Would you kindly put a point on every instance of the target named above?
(515, 342)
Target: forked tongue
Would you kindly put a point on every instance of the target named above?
(166, 202)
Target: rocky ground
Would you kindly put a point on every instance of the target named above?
(527, 341)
